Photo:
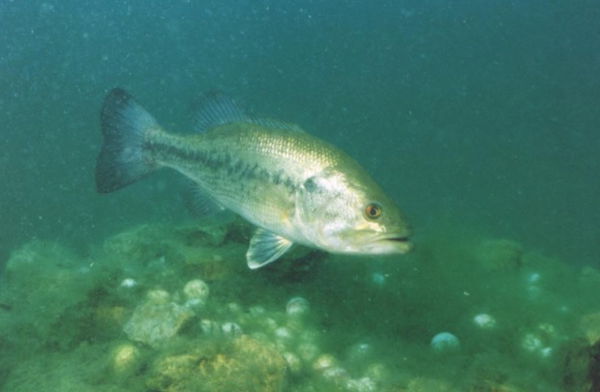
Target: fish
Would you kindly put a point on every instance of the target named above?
(294, 187)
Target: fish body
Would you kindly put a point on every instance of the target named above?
(293, 186)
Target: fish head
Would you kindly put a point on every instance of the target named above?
(345, 212)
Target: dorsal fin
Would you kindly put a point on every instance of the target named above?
(217, 109)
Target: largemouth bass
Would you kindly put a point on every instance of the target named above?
(293, 186)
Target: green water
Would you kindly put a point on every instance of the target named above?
(479, 119)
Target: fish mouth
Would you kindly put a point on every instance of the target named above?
(397, 239)
(395, 243)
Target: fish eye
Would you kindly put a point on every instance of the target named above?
(373, 211)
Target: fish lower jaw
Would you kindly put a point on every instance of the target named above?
(382, 247)
(389, 246)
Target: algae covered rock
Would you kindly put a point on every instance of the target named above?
(125, 360)
(156, 254)
(590, 326)
(80, 370)
(241, 364)
(157, 319)
(147, 242)
(44, 286)
(142, 244)
(580, 366)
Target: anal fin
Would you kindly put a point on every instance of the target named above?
(200, 202)
(266, 247)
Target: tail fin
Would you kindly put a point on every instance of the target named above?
(122, 160)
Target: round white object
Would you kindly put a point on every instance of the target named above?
(364, 384)
(128, 283)
(484, 320)
(283, 333)
(125, 357)
(297, 306)
(444, 342)
(531, 343)
(324, 361)
(196, 289)
(231, 328)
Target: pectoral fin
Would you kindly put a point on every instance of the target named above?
(266, 247)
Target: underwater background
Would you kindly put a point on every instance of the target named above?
(480, 118)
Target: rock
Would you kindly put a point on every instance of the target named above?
(125, 359)
(155, 322)
(142, 244)
(580, 366)
(150, 248)
(590, 326)
(323, 362)
(196, 290)
(216, 264)
(500, 255)
(43, 285)
(243, 364)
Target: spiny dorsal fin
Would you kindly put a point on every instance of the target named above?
(217, 109)
(266, 247)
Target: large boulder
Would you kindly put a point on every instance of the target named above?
(242, 364)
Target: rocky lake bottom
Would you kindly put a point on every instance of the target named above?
(175, 308)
